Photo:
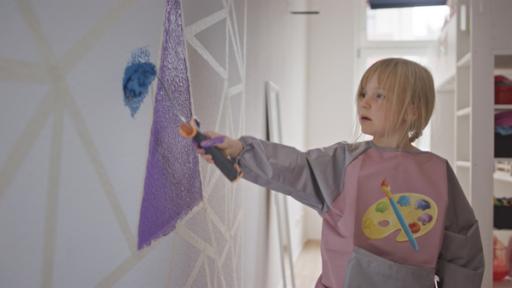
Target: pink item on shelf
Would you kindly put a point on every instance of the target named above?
(503, 118)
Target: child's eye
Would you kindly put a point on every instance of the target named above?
(362, 95)
(379, 96)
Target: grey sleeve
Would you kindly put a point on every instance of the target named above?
(313, 177)
(461, 260)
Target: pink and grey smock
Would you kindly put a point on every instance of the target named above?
(362, 242)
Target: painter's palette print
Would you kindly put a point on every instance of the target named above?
(419, 211)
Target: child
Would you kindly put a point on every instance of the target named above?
(363, 243)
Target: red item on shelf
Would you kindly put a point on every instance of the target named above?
(499, 271)
(509, 256)
(500, 265)
(502, 90)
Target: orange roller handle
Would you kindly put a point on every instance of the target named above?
(225, 165)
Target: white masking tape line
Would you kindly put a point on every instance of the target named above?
(207, 56)
(195, 241)
(25, 142)
(23, 71)
(192, 276)
(83, 46)
(204, 23)
(126, 266)
(92, 152)
(53, 189)
(221, 106)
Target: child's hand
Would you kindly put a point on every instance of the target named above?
(230, 147)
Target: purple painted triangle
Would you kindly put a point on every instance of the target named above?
(172, 186)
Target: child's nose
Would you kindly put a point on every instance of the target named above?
(365, 102)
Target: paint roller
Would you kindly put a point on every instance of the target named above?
(225, 165)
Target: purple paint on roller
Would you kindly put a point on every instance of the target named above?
(172, 186)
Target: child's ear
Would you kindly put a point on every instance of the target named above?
(411, 114)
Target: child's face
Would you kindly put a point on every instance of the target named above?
(371, 108)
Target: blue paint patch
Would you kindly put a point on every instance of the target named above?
(138, 75)
(404, 201)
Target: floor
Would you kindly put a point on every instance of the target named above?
(308, 265)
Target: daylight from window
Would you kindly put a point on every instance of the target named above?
(405, 24)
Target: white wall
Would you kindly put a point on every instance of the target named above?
(72, 160)
(277, 45)
(330, 103)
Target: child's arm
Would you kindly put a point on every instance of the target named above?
(313, 177)
(461, 261)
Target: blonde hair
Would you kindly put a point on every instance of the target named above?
(405, 84)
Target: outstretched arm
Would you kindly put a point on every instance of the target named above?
(314, 177)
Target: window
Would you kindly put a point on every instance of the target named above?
(405, 24)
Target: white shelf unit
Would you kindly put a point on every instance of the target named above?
(502, 180)
(442, 57)
(463, 99)
(504, 177)
(464, 115)
(503, 107)
(464, 60)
